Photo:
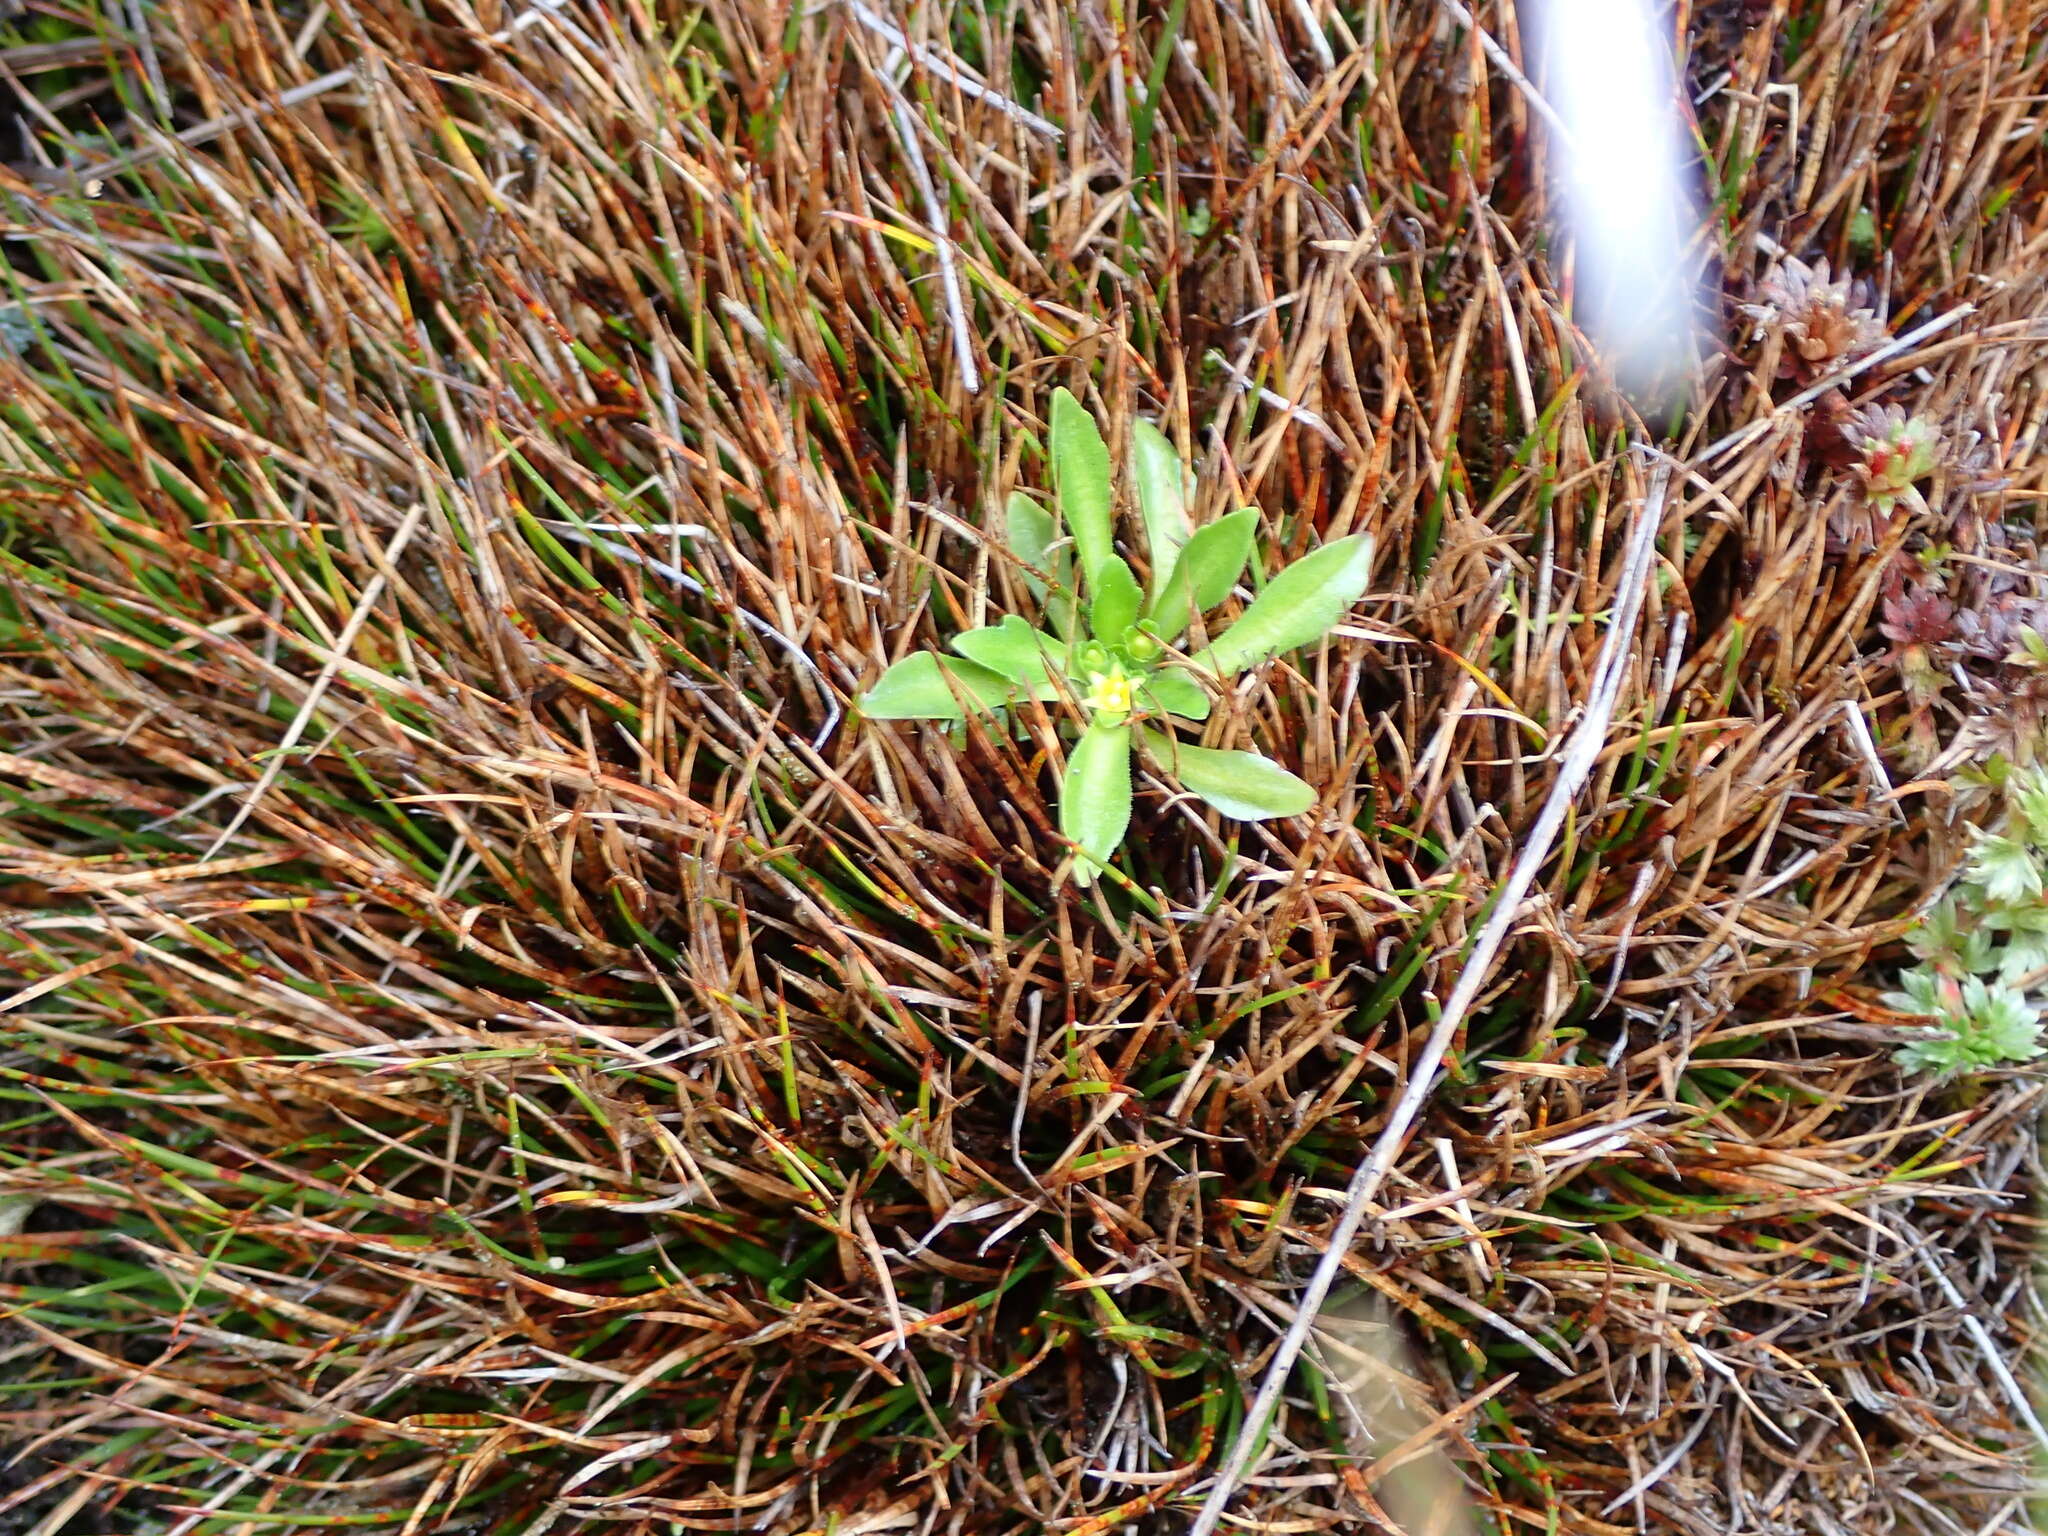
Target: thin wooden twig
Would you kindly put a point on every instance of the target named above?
(1574, 765)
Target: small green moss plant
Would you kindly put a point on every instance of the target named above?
(1983, 951)
(1110, 649)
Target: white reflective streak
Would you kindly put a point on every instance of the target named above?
(1621, 168)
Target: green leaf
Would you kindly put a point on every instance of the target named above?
(1027, 657)
(1117, 601)
(1030, 531)
(2025, 954)
(2004, 1026)
(1176, 693)
(1243, 785)
(1939, 933)
(1033, 532)
(1095, 797)
(1298, 607)
(1206, 571)
(2030, 794)
(920, 687)
(1937, 1054)
(1080, 478)
(1162, 498)
(1978, 949)
(2005, 867)
(1925, 993)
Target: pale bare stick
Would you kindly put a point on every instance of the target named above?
(1574, 766)
(946, 68)
(1993, 1357)
(1891, 349)
(942, 238)
(214, 127)
(342, 643)
(1507, 67)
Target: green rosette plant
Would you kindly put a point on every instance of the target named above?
(1110, 648)
(1982, 953)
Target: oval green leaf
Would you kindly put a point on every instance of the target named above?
(1117, 601)
(1162, 498)
(1027, 657)
(921, 687)
(1242, 785)
(1032, 532)
(1095, 796)
(1206, 571)
(1080, 478)
(1175, 693)
(1299, 606)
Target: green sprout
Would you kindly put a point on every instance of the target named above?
(1111, 650)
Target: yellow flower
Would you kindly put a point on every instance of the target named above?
(1109, 693)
